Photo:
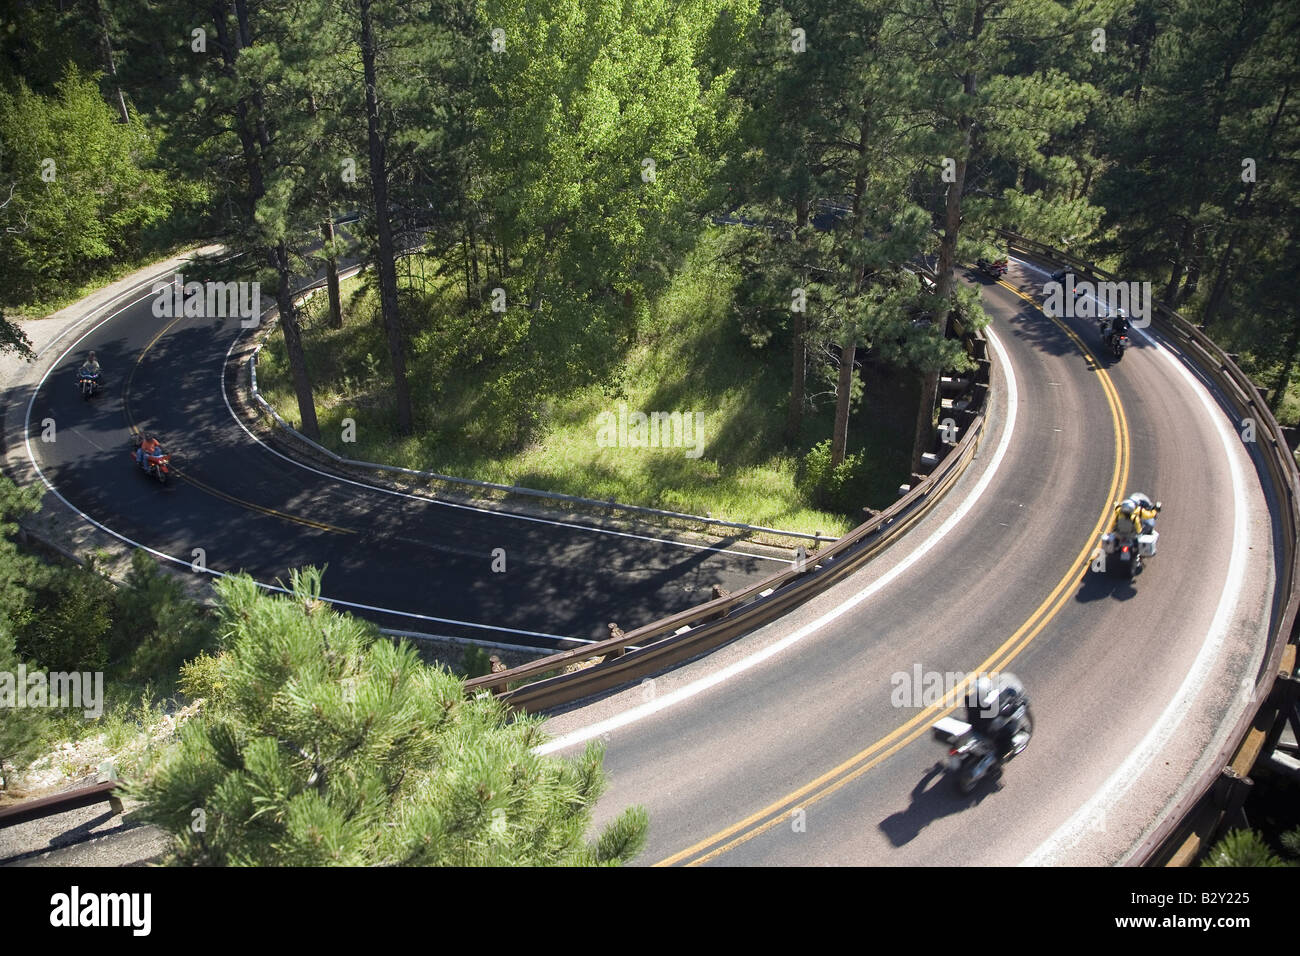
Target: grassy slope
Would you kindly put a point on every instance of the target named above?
(691, 357)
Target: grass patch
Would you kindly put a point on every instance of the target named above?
(691, 356)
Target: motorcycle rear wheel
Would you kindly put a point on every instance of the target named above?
(1029, 733)
(966, 782)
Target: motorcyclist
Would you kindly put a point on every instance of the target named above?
(1135, 515)
(1116, 325)
(150, 447)
(993, 709)
(89, 368)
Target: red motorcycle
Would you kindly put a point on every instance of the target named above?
(154, 462)
(993, 268)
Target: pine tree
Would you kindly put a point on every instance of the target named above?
(236, 102)
(321, 744)
(994, 103)
(1245, 848)
(831, 132)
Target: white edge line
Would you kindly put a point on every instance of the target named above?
(642, 711)
(27, 439)
(1073, 830)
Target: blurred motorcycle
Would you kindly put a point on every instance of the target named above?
(154, 463)
(975, 753)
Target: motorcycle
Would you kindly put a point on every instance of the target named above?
(1117, 344)
(157, 466)
(88, 384)
(973, 756)
(994, 269)
(1130, 550)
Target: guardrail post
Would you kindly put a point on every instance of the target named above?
(1230, 792)
(1285, 695)
(616, 632)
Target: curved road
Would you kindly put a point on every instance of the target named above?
(807, 741)
(409, 562)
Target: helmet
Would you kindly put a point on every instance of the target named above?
(1121, 314)
(1127, 506)
(983, 693)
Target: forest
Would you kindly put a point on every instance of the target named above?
(565, 205)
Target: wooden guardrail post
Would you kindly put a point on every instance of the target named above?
(1285, 696)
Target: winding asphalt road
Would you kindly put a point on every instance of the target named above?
(806, 742)
(409, 562)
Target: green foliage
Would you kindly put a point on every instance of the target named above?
(20, 573)
(329, 747)
(23, 729)
(582, 100)
(1243, 848)
(201, 678)
(69, 632)
(1291, 841)
(156, 626)
(475, 662)
(845, 487)
(75, 187)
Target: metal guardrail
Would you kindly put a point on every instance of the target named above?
(691, 632)
(623, 658)
(61, 803)
(609, 504)
(1219, 793)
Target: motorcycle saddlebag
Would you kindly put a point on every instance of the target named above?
(1147, 544)
(948, 730)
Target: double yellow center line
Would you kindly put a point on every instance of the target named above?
(190, 479)
(779, 812)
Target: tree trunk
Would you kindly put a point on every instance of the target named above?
(293, 344)
(332, 275)
(387, 262)
(1176, 270)
(798, 347)
(844, 388)
(799, 365)
(840, 436)
(945, 283)
(469, 284)
(252, 134)
(1193, 273)
(112, 67)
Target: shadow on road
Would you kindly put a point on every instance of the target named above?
(1097, 586)
(933, 798)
